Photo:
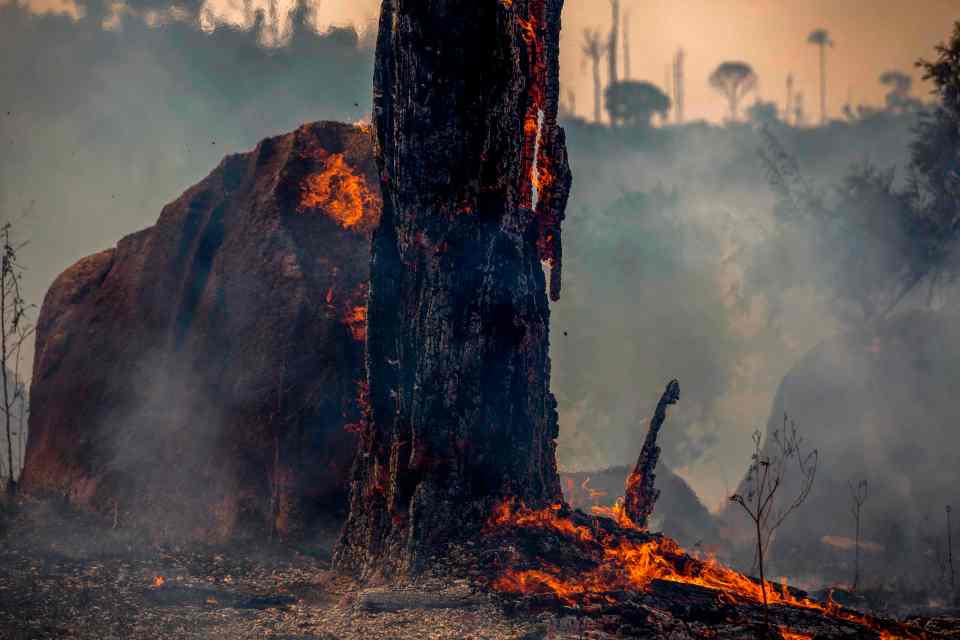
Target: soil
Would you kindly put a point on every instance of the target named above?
(68, 574)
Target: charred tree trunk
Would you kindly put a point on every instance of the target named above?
(641, 493)
(475, 182)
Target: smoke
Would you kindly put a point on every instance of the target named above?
(678, 267)
(664, 237)
(100, 128)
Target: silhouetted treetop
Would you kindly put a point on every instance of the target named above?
(820, 37)
(634, 103)
(899, 98)
(734, 80)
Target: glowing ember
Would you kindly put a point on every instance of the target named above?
(542, 178)
(790, 635)
(363, 403)
(356, 320)
(158, 582)
(342, 194)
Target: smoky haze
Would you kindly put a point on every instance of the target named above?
(102, 127)
(662, 240)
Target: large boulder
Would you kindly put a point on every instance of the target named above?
(203, 374)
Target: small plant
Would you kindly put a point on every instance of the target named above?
(15, 330)
(770, 467)
(858, 496)
(952, 573)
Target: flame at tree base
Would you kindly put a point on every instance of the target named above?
(621, 559)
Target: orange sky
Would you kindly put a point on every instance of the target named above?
(871, 36)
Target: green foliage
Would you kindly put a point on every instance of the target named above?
(879, 242)
(935, 154)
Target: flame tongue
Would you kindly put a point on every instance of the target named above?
(158, 582)
(342, 193)
(625, 559)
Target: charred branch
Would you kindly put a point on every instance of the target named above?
(641, 492)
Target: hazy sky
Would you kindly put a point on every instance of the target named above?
(871, 36)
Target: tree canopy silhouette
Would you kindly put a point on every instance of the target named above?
(763, 113)
(935, 153)
(734, 80)
(899, 98)
(821, 38)
(632, 103)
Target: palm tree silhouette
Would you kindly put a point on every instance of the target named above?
(821, 38)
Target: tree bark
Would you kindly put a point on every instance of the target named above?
(475, 181)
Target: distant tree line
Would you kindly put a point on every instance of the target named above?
(635, 103)
(880, 242)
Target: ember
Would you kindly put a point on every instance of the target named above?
(159, 581)
(789, 635)
(357, 321)
(343, 194)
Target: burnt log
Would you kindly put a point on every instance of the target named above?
(640, 495)
(475, 181)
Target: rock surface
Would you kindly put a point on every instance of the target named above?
(200, 375)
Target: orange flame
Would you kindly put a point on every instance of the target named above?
(342, 194)
(528, 29)
(159, 581)
(540, 175)
(631, 564)
(356, 320)
(793, 635)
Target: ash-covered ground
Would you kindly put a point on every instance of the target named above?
(70, 574)
(65, 574)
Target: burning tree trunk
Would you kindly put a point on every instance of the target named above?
(641, 493)
(475, 182)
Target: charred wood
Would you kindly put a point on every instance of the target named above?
(641, 493)
(474, 176)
